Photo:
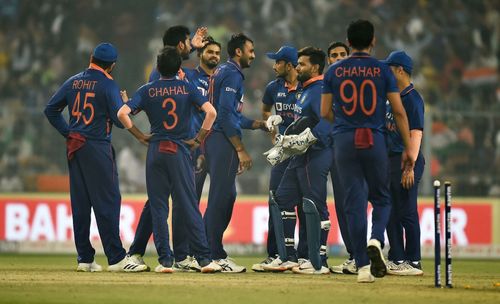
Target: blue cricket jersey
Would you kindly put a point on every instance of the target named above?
(226, 94)
(359, 84)
(414, 107)
(93, 99)
(283, 97)
(309, 105)
(168, 103)
(199, 78)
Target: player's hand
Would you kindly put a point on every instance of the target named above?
(408, 179)
(260, 124)
(144, 139)
(245, 162)
(192, 143)
(198, 40)
(200, 164)
(124, 96)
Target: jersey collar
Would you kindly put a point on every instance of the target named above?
(232, 62)
(94, 66)
(407, 90)
(289, 86)
(312, 80)
(360, 54)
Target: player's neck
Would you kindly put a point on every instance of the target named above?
(403, 84)
(291, 79)
(207, 70)
(368, 50)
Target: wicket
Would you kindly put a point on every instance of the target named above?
(437, 234)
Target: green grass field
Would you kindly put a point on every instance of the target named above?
(52, 279)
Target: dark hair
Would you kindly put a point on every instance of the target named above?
(237, 41)
(168, 61)
(336, 44)
(210, 40)
(102, 64)
(316, 56)
(175, 34)
(360, 34)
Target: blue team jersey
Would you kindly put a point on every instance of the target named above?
(226, 94)
(414, 107)
(168, 103)
(359, 84)
(309, 105)
(283, 97)
(199, 78)
(93, 99)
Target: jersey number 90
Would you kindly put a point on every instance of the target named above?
(358, 96)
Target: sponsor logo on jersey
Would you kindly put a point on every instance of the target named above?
(228, 89)
(281, 94)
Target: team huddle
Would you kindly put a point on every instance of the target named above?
(361, 121)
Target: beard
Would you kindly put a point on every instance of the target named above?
(211, 64)
(245, 62)
(303, 77)
(185, 56)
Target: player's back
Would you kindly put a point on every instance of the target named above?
(359, 85)
(92, 97)
(168, 103)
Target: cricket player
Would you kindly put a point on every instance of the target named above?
(354, 94)
(305, 178)
(179, 37)
(281, 94)
(404, 252)
(337, 51)
(169, 103)
(94, 98)
(224, 150)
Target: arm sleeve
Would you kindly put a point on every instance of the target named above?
(268, 95)
(246, 123)
(53, 110)
(327, 89)
(323, 128)
(114, 101)
(227, 102)
(391, 85)
(415, 111)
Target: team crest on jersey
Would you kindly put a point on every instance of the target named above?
(298, 95)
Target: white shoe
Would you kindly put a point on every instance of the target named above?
(302, 261)
(194, 265)
(183, 266)
(229, 266)
(365, 275)
(127, 265)
(259, 267)
(89, 267)
(377, 261)
(211, 268)
(348, 267)
(404, 269)
(308, 268)
(277, 265)
(137, 258)
(162, 269)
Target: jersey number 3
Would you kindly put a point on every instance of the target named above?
(76, 112)
(170, 113)
(358, 96)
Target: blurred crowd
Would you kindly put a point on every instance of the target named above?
(454, 44)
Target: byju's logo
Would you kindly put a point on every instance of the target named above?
(279, 106)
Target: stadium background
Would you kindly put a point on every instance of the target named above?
(455, 46)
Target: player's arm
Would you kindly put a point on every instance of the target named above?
(327, 106)
(252, 124)
(407, 161)
(123, 116)
(206, 126)
(53, 110)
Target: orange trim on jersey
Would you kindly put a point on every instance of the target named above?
(312, 80)
(94, 66)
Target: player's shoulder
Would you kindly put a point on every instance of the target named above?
(275, 84)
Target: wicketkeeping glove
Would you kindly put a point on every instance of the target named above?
(273, 121)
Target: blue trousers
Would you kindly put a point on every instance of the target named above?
(223, 163)
(338, 195)
(94, 185)
(358, 168)
(277, 173)
(169, 173)
(404, 213)
(305, 177)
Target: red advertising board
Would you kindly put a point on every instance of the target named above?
(28, 219)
